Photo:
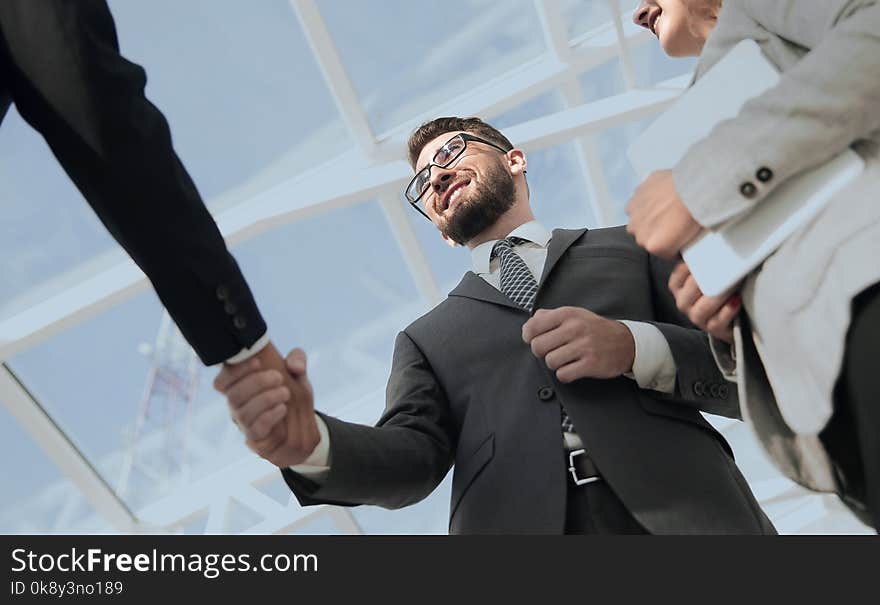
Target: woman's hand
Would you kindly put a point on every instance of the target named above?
(658, 219)
(712, 314)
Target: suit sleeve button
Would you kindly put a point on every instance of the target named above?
(230, 308)
(713, 391)
(723, 391)
(748, 190)
(764, 174)
(239, 322)
(222, 292)
(546, 393)
(699, 389)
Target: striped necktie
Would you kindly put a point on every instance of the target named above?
(520, 286)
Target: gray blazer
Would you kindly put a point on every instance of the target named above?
(465, 390)
(798, 303)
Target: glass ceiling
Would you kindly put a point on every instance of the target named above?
(254, 108)
(406, 57)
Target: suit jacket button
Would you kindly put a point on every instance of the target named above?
(239, 322)
(748, 190)
(222, 292)
(713, 391)
(723, 391)
(230, 308)
(764, 174)
(699, 389)
(546, 393)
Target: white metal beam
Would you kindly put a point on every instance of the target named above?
(626, 63)
(357, 121)
(335, 74)
(553, 26)
(345, 521)
(590, 161)
(64, 454)
(416, 261)
(606, 113)
(519, 85)
(586, 150)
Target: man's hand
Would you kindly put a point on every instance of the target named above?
(277, 427)
(658, 219)
(712, 314)
(577, 343)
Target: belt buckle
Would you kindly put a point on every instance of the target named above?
(571, 468)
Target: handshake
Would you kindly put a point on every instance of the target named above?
(272, 403)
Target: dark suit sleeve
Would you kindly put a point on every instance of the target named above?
(699, 382)
(60, 64)
(400, 460)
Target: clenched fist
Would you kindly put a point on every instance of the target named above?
(577, 343)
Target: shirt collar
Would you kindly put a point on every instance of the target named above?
(532, 231)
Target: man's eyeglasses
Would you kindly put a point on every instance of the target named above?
(446, 155)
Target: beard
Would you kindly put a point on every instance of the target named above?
(491, 199)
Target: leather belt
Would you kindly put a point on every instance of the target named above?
(582, 468)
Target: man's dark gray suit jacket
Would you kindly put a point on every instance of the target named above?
(466, 390)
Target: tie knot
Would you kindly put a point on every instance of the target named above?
(506, 244)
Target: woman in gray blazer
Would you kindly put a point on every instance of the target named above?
(806, 347)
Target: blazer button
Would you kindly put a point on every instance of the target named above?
(239, 322)
(723, 391)
(222, 292)
(748, 190)
(546, 393)
(764, 174)
(230, 308)
(713, 391)
(699, 389)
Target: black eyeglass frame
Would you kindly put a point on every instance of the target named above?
(465, 137)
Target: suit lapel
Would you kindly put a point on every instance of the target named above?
(561, 241)
(475, 287)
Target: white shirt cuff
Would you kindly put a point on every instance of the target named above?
(653, 365)
(246, 354)
(317, 465)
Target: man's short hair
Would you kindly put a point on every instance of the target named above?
(429, 131)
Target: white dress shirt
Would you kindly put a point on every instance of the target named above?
(653, 364)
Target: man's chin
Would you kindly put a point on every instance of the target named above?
(462, 234)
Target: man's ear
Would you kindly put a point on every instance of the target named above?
(516, 160)
(449, 241)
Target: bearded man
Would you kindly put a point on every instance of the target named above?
(558, 378)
